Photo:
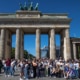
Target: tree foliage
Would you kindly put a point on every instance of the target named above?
(79, 51)
(27, 55)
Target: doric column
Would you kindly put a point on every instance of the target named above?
(67, 50)
(8, 44)
(74, 51)
(61, 44)
(52, 44)
(37, 43)
(17, 50)
(2, 44)
(22, 46)
(19, 44)
(48, 45)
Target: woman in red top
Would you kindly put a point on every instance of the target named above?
(8, 64)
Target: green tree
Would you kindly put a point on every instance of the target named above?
(27, 55)
(79, 51)
(13, 53)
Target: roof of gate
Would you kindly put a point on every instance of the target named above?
(44, 15)
(7, 15)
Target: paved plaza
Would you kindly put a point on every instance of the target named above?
(16, 77)
(2, 77)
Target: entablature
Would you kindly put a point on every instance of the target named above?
(33, 21)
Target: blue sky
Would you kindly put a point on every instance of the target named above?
(72, 7)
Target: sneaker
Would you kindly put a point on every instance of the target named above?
(54, 76)
(21, 79)
(8, 75)
(65, 77)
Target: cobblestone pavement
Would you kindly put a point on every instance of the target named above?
(16, 77)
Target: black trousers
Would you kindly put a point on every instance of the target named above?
(34, 70)
(0, 69)
(79, 72)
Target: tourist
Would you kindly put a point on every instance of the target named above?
(26, 70)
(8, 65)
(53, 72)
(22, 65)
(79, 70)
(38, 68)
(1, 65)
(12, 69)
(4, 65)
(76, 67)
(34, 67)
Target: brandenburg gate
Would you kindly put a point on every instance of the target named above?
(34, 22)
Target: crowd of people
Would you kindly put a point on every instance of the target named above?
(38, 68)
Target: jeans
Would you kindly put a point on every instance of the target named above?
(12, 71)
(7, 70)
(76, 73)
(37, 72)
(26, 73)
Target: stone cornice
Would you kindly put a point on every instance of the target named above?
(50, 14)
(56, 14)
(5, 14)
(34, 20)
(75, 39)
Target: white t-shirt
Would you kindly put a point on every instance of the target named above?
(76, 65)
(12, 63)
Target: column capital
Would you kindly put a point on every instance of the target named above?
(38, 30)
